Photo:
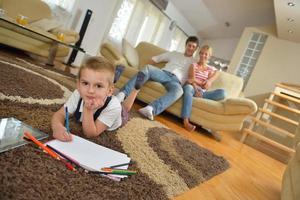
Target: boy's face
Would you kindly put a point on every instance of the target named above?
(94, 86)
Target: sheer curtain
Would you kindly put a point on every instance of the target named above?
(178, 40)
(140, 20)
(120, 22)
(147, 23)
(136, 21)
(61, 10)
(65, 4)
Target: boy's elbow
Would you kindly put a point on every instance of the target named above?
(91, 134)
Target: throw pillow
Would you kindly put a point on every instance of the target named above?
(130, 54)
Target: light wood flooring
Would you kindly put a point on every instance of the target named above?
(252, 175)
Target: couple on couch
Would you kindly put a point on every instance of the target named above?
(181, 75)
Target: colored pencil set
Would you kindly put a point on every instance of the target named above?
(67, 161)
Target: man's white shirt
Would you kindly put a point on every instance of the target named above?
(177, 64)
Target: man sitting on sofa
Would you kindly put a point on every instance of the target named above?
(172, 76)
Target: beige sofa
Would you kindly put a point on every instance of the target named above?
(35, 10)
(226, 115)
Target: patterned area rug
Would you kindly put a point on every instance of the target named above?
(167, 164)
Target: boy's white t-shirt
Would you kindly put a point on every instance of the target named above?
(110, 116)
(177, 64)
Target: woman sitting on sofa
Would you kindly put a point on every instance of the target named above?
(200, 79)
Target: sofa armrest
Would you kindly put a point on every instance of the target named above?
(70, 36)
(112, 54)
(239, 105)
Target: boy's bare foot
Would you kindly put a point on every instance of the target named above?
(188, 126)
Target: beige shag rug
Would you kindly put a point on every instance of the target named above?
(167, 163)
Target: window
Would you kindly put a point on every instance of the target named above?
(178, 40)
(140, 20)
(250, 57)
(119, 25)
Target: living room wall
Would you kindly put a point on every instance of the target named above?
(222, 47)
(103, 12)
(100, 20)
(278, 62)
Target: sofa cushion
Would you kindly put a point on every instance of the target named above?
(146, 51)
(230, 83)
(130, 54)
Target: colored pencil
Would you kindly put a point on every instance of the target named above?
(64, 156)
(48, 150)
(67, 120)
(117, 171)
(33, 139)
(120, 165)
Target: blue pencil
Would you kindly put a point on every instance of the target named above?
(67, 119)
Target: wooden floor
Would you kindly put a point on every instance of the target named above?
(252, 175)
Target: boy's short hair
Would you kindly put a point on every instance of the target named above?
(98, 63)
(192, 39)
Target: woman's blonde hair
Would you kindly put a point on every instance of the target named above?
(207, 48)
(98, 63)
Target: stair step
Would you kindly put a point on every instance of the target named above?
(279, 116)
(282, 106)
(273, 127)
(294, 88)
(287, 97)
(265, 139)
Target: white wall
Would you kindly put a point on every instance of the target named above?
(222, 47)
(99, 23)
(278, 62)
(174, 14)
(102, 17)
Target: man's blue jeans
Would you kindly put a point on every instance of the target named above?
(189, 93)
(167, 79)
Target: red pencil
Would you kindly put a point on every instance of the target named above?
(48, 150)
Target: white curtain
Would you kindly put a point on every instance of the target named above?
(178, 40)
(140, 20)
(65, 4)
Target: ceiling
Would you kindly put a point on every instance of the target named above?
(228, 18)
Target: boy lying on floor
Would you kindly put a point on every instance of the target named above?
(92, 103)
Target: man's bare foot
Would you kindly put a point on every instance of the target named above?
(188, 126)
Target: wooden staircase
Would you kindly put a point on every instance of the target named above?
(283, 92)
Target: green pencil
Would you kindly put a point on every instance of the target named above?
(117, 171)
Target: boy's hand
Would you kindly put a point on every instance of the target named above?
(93, 104)
(61, 134)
